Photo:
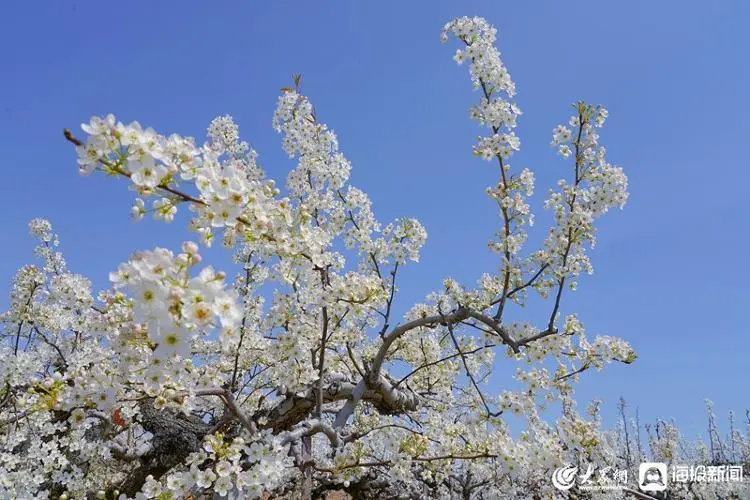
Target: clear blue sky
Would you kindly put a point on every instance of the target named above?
(671, 272)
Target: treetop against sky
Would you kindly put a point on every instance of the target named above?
(308, 342)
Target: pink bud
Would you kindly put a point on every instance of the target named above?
(190, 247)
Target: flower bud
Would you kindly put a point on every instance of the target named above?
(190, 247)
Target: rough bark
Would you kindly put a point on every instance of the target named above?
(175, 437)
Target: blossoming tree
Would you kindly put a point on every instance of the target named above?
(179, 382)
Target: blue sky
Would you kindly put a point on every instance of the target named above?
(671, 275)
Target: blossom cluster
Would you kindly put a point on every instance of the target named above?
(244, 470)
(172, 305)
(597, 186)
(496, 111)
(232, 193)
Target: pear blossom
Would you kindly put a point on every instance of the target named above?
(286, 367)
